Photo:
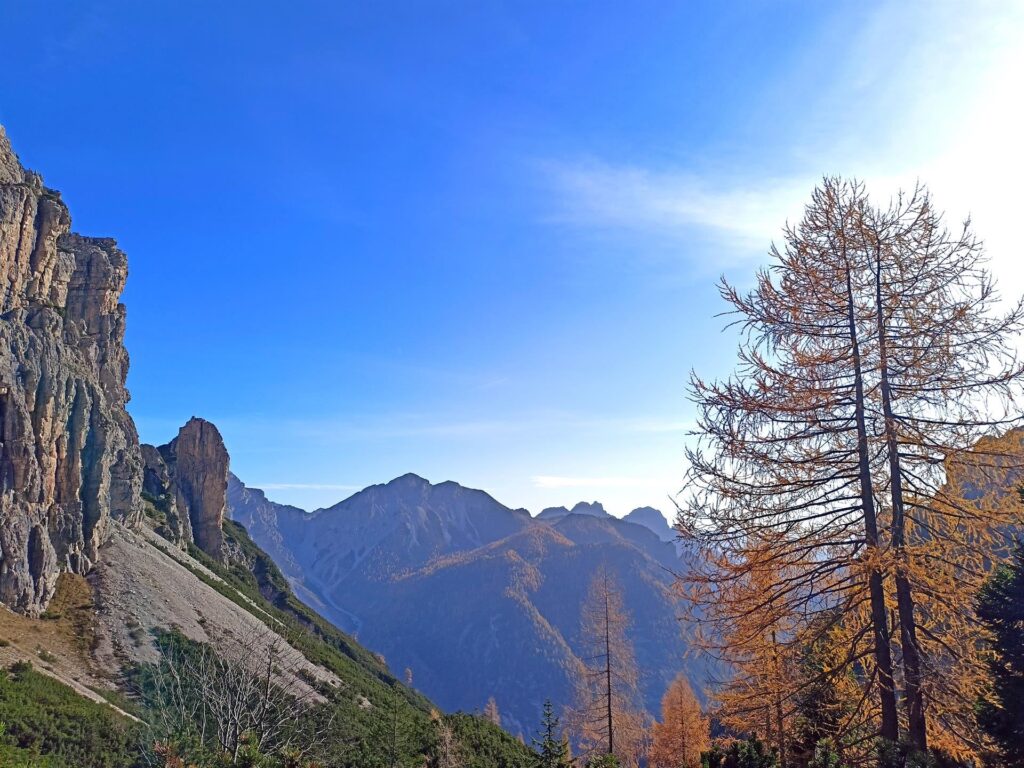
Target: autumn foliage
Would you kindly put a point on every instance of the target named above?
(682, 734)
(607, 718)
(848, 493)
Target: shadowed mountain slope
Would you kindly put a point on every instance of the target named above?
(477, 599)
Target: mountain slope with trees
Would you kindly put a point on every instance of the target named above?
(494, 595)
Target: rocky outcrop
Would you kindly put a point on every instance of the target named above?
(160, 493)
(69, 453)
(186, 480)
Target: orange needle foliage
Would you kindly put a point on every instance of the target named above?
(827, 490)
(684, 731)
(607, 718)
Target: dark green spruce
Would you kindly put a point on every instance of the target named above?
(1001, 610)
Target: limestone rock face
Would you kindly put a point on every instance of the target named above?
(69, 453)
(188, 480)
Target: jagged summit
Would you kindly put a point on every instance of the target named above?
(591, 508)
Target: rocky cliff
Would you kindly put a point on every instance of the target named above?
(187, 480)
(69, 453)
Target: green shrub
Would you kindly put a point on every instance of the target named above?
(748, 753)
(48, 725)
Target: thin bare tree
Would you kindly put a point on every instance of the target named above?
(491, 711)
(448, 750)
(606, 717)
(250, 693)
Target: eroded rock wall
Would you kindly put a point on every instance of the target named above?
(187, 479)
(69, 453)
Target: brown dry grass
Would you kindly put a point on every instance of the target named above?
(60, 642)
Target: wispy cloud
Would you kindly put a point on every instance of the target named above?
(305, 487)
(601, 194)
(559, 481)
(921, 91)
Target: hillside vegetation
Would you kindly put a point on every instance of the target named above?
(363, 717)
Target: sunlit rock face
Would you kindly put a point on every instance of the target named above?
(69, 453)
(188, 479)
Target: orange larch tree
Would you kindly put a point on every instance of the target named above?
(785, 454)
(683, 733)
(872, 359)
(606, 717)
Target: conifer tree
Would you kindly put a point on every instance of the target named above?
(872, 362)
(785, 454)
(1001, 610)
(606, 717)
(749, 753)
(552, 748)
(683, 733)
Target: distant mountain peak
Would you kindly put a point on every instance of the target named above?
(552, 513)
(653, 520)
(593, 508)
(589, 508)
(408, 479)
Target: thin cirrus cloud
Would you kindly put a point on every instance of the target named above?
(560, 481)
(880, 117)
(605, 195)
(306, 487)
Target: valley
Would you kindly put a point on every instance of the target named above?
(476, 599)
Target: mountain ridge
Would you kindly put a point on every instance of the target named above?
(508, 623)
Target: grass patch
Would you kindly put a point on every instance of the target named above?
(72, 610)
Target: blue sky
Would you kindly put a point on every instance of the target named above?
(479, 240)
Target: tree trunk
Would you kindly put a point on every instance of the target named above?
(890, 727)
(778, 705)
(917, 726)
(608, 670)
